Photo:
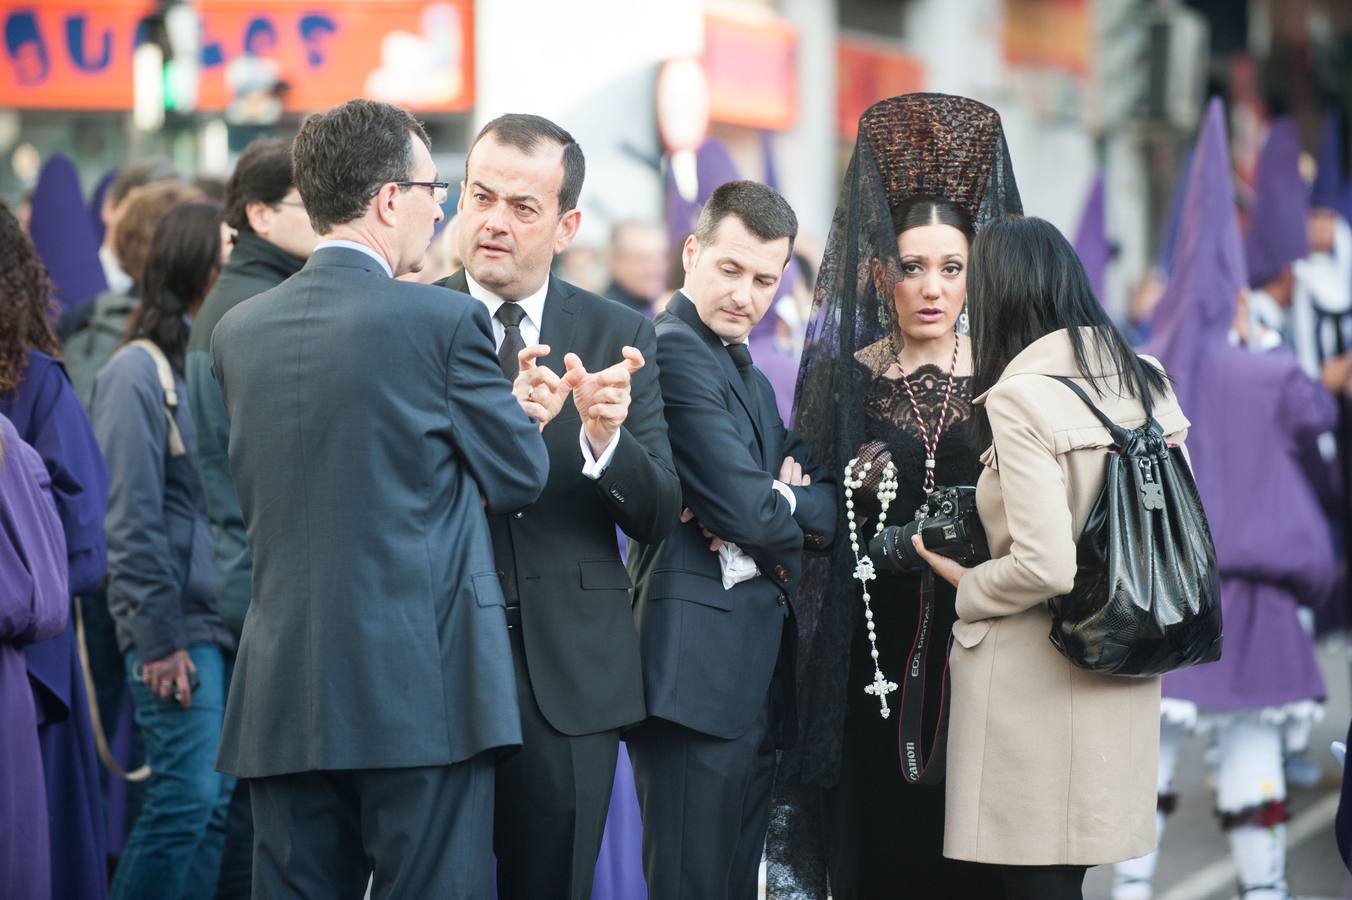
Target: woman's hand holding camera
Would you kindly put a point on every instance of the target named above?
(944, 567)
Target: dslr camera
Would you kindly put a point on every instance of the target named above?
(947, 523)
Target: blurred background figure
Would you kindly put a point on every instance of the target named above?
(37, 398)
(161, 591)
(638, 265)
(123, 183)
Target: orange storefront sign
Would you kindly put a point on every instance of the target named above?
(750, 65)
(1048, 34)
(868, 73)
(67, 54)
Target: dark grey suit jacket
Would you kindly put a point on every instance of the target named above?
(709, 653)
(559, 559)
(369, 422)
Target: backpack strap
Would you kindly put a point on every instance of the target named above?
(166, 376)
(1120, 434)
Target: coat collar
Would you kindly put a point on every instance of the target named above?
(558, 321)
(682, 307)
(253, 255)
(1053, 354)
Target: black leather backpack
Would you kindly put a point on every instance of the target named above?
(1146, 598)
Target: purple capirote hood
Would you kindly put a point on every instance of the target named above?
(1091, 238)
(1277, 233)
(63, 234)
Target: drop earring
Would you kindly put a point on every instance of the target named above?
(962, 325)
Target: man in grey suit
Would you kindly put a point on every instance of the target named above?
(371, 428)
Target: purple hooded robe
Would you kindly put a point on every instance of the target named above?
(34, 605)
(1277, 234)
(1253, 415)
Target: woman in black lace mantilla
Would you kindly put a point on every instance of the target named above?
(885, 376)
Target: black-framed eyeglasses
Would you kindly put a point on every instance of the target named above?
(296, 203)
(435, 187)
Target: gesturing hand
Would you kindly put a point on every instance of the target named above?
(170, 678)
(539, 391)
(602, 398)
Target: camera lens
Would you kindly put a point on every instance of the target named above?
(891, 549)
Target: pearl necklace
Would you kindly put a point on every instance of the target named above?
(864, 571)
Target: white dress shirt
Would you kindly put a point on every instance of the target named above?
(361, 248)
(534, 308)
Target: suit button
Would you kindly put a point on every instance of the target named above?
(518, 515)
(781, 573)
(781, 599)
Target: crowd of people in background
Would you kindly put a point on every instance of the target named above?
(349, 537)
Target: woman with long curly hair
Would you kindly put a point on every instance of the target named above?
(37, 397)
(161, 590)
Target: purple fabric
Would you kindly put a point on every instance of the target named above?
(34, 606)
(96, 204)
(46, 414)
(779, 367)
(1277, 233)
(64, 236)
(619, 868)
(1091, 238)
(1164, 259)
(714, 167)
(1251, 414)
(1328, 190)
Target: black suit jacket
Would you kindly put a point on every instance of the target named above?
(369, 420)
(560, 558)
(709, 653)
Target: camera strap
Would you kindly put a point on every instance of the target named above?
(921, 765)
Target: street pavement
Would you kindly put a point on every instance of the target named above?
(1195, 860)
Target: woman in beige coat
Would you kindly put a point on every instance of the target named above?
(1050, 768)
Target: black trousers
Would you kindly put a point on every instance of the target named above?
(706, 807)
(1044, 882)
(552, 798)
(422, 832)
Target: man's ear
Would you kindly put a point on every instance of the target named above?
(568, 226)
(689, 253)
(259, 215)
(384, 204)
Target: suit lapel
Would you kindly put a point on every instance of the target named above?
(684, 309)
(560, 320)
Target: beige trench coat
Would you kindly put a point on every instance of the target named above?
(1047, 764)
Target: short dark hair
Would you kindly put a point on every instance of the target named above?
(760, 208)
(524, 132)
(920, 211)
(1024, 282)
(262, 175)
(139, 174)
(185, 256)
(341, 158)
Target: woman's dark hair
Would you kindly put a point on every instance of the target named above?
(26, 309)
(1024, 281)
(919, 211)
(185, 256)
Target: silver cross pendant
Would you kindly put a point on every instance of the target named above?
(880, 688)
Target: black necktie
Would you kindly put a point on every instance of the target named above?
(510, 315)
(741, 358)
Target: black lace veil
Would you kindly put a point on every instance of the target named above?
(912, 146)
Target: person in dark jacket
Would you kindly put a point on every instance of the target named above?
(160, 578)
(37, 397)
(274, 238)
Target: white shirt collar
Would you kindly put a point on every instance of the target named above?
(533, 306)
(353, 245)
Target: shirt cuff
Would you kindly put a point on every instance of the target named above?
(787, 492)
(595, 468)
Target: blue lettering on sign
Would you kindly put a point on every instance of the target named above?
(26, 49)
(75, 43)
(313, 28)
(260, 36)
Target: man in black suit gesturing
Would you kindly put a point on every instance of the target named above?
(574, 645)
(717, 630)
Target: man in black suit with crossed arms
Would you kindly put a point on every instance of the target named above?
(716, 628)
(569, 612)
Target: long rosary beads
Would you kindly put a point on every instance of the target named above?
(863, 566)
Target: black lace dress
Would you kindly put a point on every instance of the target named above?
(890, 838)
